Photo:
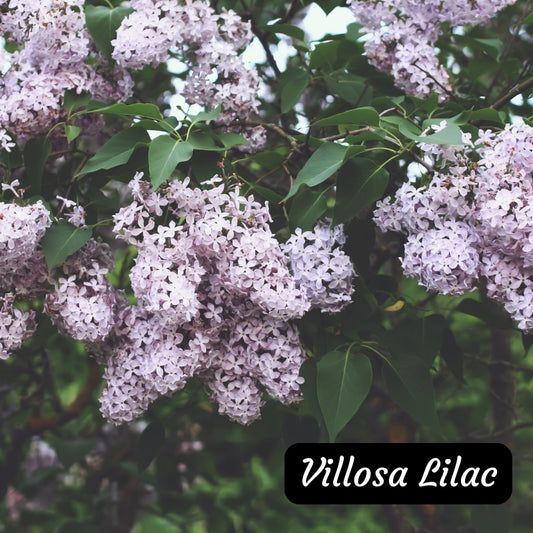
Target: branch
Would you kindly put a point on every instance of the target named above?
(512, 93)
(39, 425)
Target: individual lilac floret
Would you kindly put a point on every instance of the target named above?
(323, 272)
(16, 326)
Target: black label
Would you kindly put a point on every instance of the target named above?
(398, 473)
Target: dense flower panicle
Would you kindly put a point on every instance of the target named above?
(216, 293)
(208, 43)
(322, 271)
(21, 229)
(82, 303)
(53, 58)
(473, 224)
(402, 35)
(16, 326)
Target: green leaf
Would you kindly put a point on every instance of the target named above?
(102, 23)
(325, 55)
(61, 240)
(72, 451)
(125, 110)
(150, 441)
(366, 116)
(293, 83)
(164, 155)
(351, 88)
(36, 152)
(450, 134)
(410, 385)
(72, 132)
(206, 116)
(306, 209)
(230, 139)
(72, 100)
(492, 47)
(451, 352)
(484, 312)
(321, 165)
(359, 183)
(286, 29)
(117, 150)
(343, 382)
(204, 141)
(328, 5)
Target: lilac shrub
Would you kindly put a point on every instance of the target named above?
(472, 225)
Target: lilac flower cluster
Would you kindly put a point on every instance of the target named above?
(472, 226)
(82, 301)
(52, 57)
(207, 42)
(402, 35)
(21, 228)
(216, 293)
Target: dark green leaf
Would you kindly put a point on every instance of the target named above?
(360, 183)
(230, 139)
(203, 141)
(150, 441)
(126, 110)
(102, 23)
(164, 155)
(286, 29)
(451, 352)
(366, 116)
(11, 159)
(61, 240)
(72, 451)
(325, 55)
(351, 88)
(73, 101)
(306, 209)
(321, 165)
(409, 383)
(486, 313)
(293, 83)
(117, 150)
(343, 382)
(36, 153)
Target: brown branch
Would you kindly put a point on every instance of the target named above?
(512, 93)
(39, 425)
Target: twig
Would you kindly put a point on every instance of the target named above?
(512, 93)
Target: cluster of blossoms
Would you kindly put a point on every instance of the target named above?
(52, 57)
(472, 226)
(402, 36)
(216, 293)
(21, 228)
(207, 42)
